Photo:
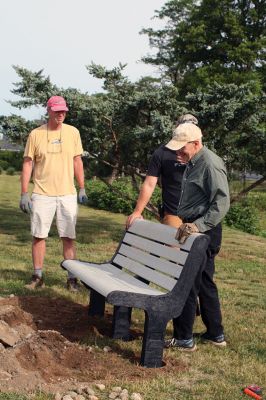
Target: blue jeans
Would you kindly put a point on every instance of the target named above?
(206, 289)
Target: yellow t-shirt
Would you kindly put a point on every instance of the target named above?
(53, 155)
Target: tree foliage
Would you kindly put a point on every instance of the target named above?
(121, 126)
(210, 40)
(233, 122)
(212, 57)
(16, 128)
(130, 119)
(213, 51)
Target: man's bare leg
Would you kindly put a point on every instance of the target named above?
(69, 253)
(38, 253)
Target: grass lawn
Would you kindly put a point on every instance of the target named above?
(209, 373)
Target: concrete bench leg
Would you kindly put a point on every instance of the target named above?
(121, 323)
(97, 304)
(153, 340)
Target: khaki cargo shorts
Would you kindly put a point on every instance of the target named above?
(44, 208)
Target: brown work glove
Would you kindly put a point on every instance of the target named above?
(184, 231)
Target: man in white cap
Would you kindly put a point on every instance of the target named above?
(203, 203)
(53, 152)
(163, 164)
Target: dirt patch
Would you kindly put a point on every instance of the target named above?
(59, 347)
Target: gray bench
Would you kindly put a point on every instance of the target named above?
(150, 271)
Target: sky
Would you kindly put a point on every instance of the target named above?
(63, 36)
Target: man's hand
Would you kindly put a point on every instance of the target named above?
(131, 218)
(184, 231)
(25, 203)
(82, 197)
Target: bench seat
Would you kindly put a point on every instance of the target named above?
(150, 270)
(106, 278)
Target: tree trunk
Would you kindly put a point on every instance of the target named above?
(111, 178)
(243, 192)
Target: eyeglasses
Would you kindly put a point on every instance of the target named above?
(54, 145)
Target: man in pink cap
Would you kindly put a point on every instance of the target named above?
(53, 153)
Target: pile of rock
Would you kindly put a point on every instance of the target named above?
(87, 393)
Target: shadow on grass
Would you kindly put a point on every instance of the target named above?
(16, 276)
(92, 229)
(14, 223)
(89, 230)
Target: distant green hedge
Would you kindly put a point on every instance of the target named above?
(4, 164)
(243, 215)
(12, 159)
(120, 198)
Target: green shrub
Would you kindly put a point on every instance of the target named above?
(244, 216)
(258, 200)
(4, 164)
(105, 198)
(1, 170)
(11, 159)
(10, 171)
(120, 198)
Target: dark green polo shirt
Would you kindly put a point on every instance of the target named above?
(205, 195)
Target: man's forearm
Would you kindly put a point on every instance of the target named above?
(145, 193)
(143, 200)
(79, 171)
(219, 203)
(215, 213)
(26, 175)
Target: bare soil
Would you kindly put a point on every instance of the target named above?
(53, 354)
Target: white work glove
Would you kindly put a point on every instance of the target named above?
(82, 197)
(184, 231)
(25, 203)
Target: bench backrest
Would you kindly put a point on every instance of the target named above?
(150, 251)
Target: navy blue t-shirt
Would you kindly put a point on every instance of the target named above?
(163, 164)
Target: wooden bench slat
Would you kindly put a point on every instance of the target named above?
(170, 253)
(145, 272)
(105, 278)
(154, 262)
(159, 232)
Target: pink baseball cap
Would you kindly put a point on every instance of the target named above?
(57, 103)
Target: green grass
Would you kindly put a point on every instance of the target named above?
(209, 373)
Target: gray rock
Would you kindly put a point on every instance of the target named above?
(72, 394)
(117, 389)
(89, 390)
(113, 395)
(4, 376)
(135, 396)
(67, 397)
(100, 386)
(123, 396)
(8, 335)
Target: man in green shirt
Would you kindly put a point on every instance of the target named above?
(203, 203)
